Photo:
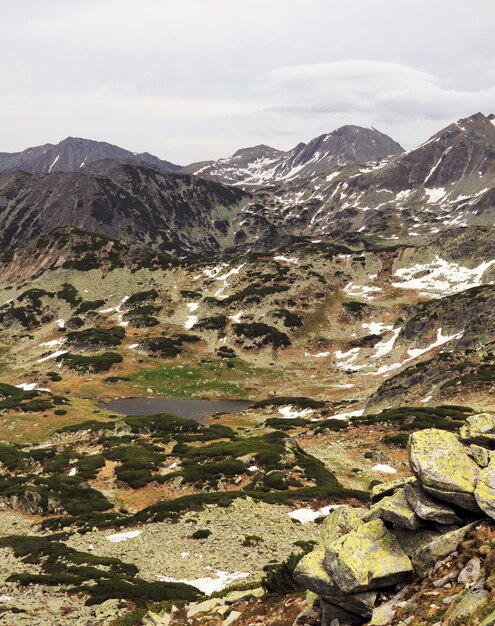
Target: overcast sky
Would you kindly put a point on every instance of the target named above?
(196, 79)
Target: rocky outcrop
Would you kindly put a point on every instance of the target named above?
(366, 558)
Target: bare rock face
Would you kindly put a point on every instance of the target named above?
(262, 165)
(442, 465)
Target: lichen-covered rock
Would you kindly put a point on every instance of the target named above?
(386, 489)
(311, 574)
(339, 522)
(427, 508)
(413, 541)
(480, 455)
(442, 465)
(439, 548)
(397, 510)
(368, 557)
(485, 490)
(461, 612)
(479, 429)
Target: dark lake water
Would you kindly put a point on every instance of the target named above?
(192, 409)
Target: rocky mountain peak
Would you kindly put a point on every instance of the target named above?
(262, 165)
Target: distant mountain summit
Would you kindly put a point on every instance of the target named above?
(262, 165)
(74, 154)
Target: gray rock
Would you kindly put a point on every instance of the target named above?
(443, 467)
(384, 614)
(204, 607)
(386, 489)
(232, 617)
(311, 574)
(479, 429)
(485, 490)
(480, 455)
(462, 610)
(438, 549)
(413, 541)
(368, 557)
(339, 522)
(332, 614)
(427, 508)
(397, 510)
(471, 572)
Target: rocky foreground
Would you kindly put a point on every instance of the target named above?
(370, 563)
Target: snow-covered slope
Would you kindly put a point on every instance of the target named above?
(262, 165)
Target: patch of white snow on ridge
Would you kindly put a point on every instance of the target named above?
(386, 469)
(51, 166)
(280, 257)
(53, 355)
(310, 515)
(191, 321)
(208, 585)
(346, 416)
(31, 387)
(118, 537)
(237, 317)
(317, 355)
(384, 347)
(441, 276)
(441, 339)
(435, 194)
(50, 344)
(192, 306)
(362, 291)
(289, 413)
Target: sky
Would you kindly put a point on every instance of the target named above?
(190, 80)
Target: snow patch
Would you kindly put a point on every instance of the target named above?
(208, 585)
(290, 413)
(118, 537)
(385, 469)
(53, 355)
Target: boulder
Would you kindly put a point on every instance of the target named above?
(311, 574)
(368, 557)
(386, 489)
(232, 617)
(203, 607)
(439, 548)
(332, 615)
(485, 490)
(397, 510)
(471, 572)
(427, 508)
(479, 429)
(339, 522)
(480, 455)
(384, 614)
(413, 541)
(461, 611)
(443, 467)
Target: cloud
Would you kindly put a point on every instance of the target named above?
(196, 79)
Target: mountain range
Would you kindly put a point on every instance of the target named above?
(351, 180)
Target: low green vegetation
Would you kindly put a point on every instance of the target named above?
(100, 578)
(417, 418)
(96, 338)
(261, 335)
(95, 363)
